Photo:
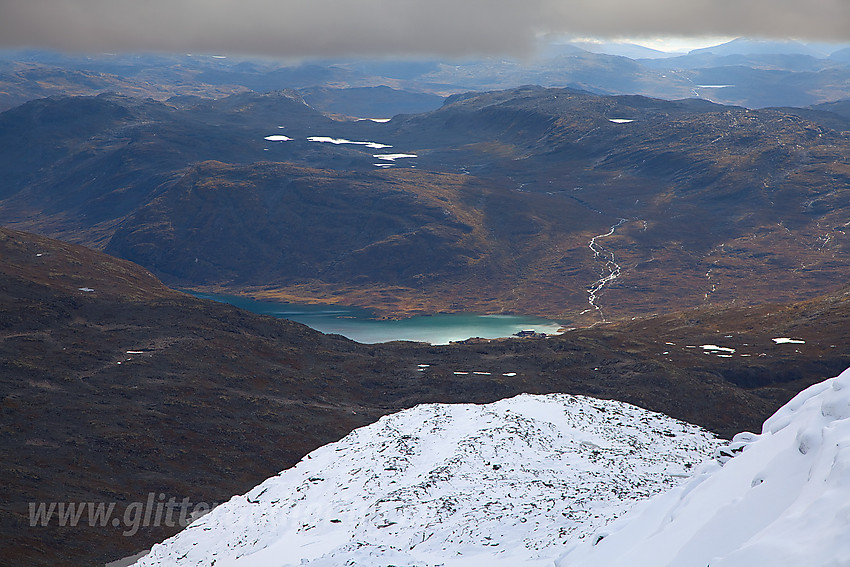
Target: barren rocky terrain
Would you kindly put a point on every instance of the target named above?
(131, 388)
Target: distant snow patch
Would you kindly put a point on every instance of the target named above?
(86, 289)
(717, 348)
(277, 138)
(620, 120)
(339, 141)
(393, 157)
(786, 340)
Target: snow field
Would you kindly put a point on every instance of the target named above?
(502, 484)
(781, 498)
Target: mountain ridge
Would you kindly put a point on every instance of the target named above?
(505, 483)
(741, 205)
(752, 79)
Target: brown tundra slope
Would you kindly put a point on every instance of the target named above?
(113, 386)
(556, 202)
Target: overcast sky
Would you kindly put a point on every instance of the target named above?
(299, 28)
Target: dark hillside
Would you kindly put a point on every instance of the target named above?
(555, 202)
(113, 387)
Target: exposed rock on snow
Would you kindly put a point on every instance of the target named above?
(781, 498)
(507, 483)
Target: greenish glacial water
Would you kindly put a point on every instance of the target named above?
(361, 326)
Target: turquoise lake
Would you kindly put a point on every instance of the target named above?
(361, 326)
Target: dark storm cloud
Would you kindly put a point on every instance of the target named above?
(445, 27)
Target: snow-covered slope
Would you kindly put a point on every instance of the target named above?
(503, 484)
(781, 498)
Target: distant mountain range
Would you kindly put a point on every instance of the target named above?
(737, 46)
(746, 46)
(552, 202)
(621, 49)
(757, 74)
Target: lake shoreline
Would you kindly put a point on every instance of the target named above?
(389, 302)
(363, 326)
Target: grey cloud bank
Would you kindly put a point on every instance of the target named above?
(304, 28)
